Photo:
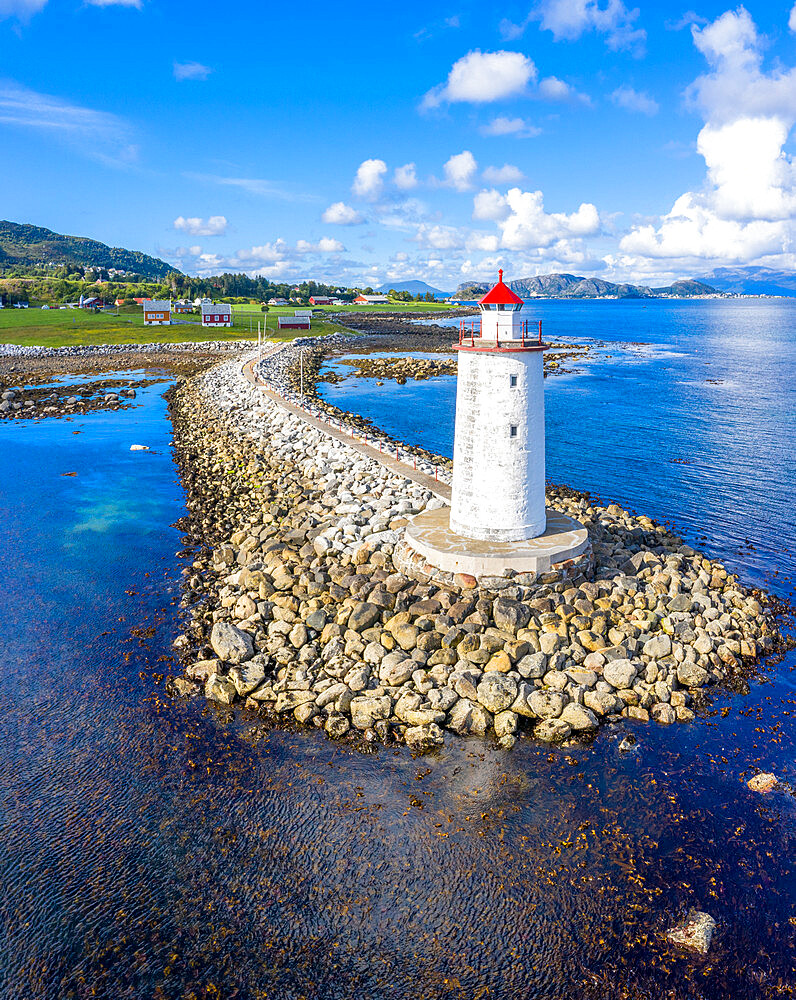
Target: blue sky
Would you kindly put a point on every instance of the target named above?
(358, 144)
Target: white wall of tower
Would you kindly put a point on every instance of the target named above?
(499, 478)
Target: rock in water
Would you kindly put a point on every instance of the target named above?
(695, 932)
(139, 447)
(231, 643)
(763, 782)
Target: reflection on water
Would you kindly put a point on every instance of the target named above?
(158, 849)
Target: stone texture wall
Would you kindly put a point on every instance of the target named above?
(499, 480)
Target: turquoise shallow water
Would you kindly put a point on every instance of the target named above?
(685, 411)
(152, 849)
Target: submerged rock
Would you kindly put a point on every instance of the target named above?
(695, 931)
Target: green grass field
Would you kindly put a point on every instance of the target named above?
(74, 327)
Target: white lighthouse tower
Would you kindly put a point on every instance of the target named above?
(497, 523)
(499, 447)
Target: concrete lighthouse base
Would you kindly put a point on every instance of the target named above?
(433, 551)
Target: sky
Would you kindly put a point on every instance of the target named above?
(359, 144)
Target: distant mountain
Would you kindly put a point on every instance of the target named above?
(752, 280)
(30, 246)
(415, 287)
(572, 286)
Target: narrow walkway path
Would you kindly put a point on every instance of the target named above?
(439, 489)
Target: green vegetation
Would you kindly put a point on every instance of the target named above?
(26, 246)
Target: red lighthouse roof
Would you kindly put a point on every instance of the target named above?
(500, 295)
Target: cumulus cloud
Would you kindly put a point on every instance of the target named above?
(569, 19)
(634, 100)
(553, 89)
(792, 18)
(518, 127)
(507, 174)
(191, 71)
(747, 207)
(483, 77)
(460, 170)
(405, 177)
(340, 214)
(326, 244)
(369, 179)
(523, 222)
(216, 225)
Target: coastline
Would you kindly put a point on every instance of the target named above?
(300, 614)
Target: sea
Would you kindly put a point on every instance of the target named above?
(154, 848)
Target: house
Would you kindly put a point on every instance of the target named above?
(306, 313)
(321, 300)
(293, 322)
(218, 314)
(277, 302)
(183, 307)
(157, 312)
(371, 300)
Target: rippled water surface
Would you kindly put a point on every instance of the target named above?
(158, 849)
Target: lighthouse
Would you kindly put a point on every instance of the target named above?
(499, 444)
(497, 525)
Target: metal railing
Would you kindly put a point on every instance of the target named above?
(474, 331)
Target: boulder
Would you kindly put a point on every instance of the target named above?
(663, 713)
(396, 668)
(496, 691)
(695, 931)
(423, 738)
(552, 730)
(363, 616)
(231, 643)
(579, 718)
(468, 718)
(620, 673)
(692, 675)
(365, 712)
(220, 689)
(547, 704)
(510, 616)
(658, 646)
(246, 677)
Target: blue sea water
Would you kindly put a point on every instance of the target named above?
(154, 849)
(685, 411)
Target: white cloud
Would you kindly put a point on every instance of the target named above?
(369, 179)
(251, 185)
(99, 135)
(569, 19)
(191, 71)
(524, 224)
(216, 225)
(490, 206)
(326, 244)
(553, 89)
(340, 214)
(439, 237)
(792, 18)
(405, 177)
(115, 3)
(483, 77)
(22, 10)
(507, 174)
(634, 100)
(460, 170)
(517, 127)
(747, 207)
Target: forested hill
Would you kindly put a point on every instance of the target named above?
(23, 245)
(572, 286)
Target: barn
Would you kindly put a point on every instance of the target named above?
(293, 322)
(216, 314)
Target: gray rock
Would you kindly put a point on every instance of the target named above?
(692, 675)
(365, 712)
(602, 703)
(248, 676)
(396, 668)
(547, 704)
(423, 738)
(468, 718)
(505, 724)
(231, 643)
(620, 673)
(658, 646)
(694, 932)
(663, 713)
(496, 691)
(220, 689)
(201, 670)
(532, 666)
(363, 616)
(337, 726)
(510, 616)
(552, 730)
(579, 718)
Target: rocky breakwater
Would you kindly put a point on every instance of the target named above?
(298, 613)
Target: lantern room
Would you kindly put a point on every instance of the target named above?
(500, 313)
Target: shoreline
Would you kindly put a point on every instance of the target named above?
(299, 613)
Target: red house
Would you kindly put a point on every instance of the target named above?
(216, 314)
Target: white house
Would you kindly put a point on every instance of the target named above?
(371, 300)
(157, 312)
(218, 314)
(277, 302)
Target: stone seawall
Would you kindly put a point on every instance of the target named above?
(299, 613)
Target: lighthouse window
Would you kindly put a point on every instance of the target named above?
(513, 381)
(513, 430)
